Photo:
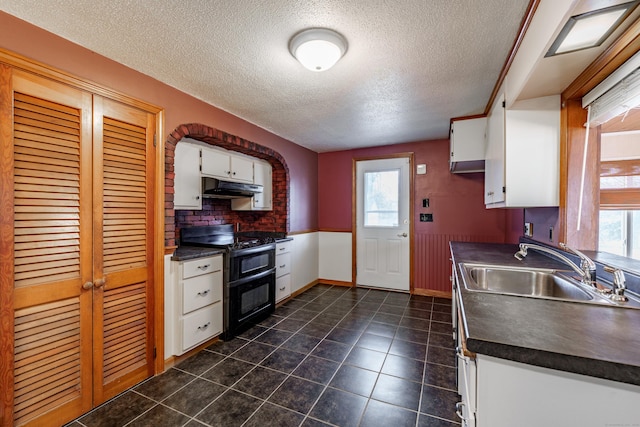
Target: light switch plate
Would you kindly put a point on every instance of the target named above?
(421, 169)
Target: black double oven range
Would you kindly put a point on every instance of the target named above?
(249, 272)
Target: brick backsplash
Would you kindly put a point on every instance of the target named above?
(218, 211)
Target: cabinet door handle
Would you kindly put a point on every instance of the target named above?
(100, 282)
(203, 327)
(204, 267)
(459, 407)
(87, 285)
(197, 197)
(204, 293)
(281, 249)
(283, 288)
(283, 265)
(233, 173)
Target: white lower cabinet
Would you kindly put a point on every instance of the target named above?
(517, 394)
(283, 270)
(198, 310)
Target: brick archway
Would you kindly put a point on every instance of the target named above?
(277, 219)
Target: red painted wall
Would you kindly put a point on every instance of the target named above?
(30, 41)
(456, 202)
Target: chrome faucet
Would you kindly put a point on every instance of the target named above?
(586, 264)
(584, 279)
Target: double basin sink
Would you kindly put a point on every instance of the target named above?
(534, 283)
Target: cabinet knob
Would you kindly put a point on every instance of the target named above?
(87, 285)
(197, 197)
(100, 282)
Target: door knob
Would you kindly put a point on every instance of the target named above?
(402, 235)
(87, 285)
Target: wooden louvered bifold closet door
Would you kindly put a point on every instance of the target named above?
(83, 171)
(52, 251)
(123, 246)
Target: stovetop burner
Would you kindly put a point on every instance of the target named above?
(222, 236)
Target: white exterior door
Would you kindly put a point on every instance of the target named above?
(383, 223)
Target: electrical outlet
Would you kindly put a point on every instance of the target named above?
(528, 229)
(426, 217)
(425, 203)
(551, 234)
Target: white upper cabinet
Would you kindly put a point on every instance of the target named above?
(494, 155)
(468, 142)
(218, 164)
(259, 201)
(523, 153)
(187, 182)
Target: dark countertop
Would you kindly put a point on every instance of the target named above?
(184, 253)
(589, 339)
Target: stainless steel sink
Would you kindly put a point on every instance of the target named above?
(540, 283)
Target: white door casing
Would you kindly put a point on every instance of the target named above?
(383, 223)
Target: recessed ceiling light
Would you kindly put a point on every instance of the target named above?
(318, 49)
(590, 29)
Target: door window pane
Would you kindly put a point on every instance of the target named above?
(381, 198)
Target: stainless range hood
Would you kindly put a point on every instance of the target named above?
(217, 189)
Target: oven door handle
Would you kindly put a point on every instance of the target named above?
(253, 277)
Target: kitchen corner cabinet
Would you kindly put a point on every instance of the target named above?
(259, 201)
(221, 165)
(198, 313)
(522, 158)
(467, 145)
(187, 181)
(283, 270)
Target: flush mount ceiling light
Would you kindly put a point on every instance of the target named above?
(318, 49)
(590, 29)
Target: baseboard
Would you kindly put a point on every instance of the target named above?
(431, 293)
(336, 283)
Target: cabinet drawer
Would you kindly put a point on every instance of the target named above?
(283, 287)
(283, 264)
(200, 266)
(283, 247)
(201, 325)
(201, 290)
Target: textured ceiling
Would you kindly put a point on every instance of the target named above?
(411, 65)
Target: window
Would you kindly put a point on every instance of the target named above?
(619, 226)
(620, 232)
(381, 198)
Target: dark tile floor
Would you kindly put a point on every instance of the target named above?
(331, 356)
